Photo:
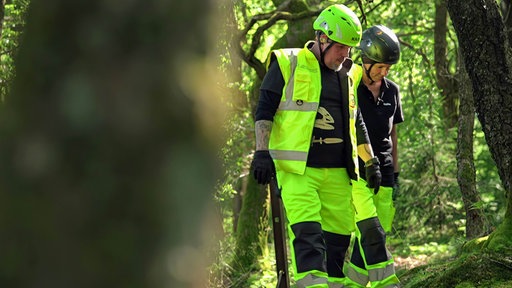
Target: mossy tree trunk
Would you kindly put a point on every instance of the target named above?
(466, 175)
(484, 46)
(252, 231)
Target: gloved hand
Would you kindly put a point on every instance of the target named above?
(373, 175)
(263, 168)
(396, 185)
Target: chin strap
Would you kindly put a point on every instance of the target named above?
(367, 72)
(318, 34)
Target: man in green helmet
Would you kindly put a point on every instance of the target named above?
(380, 104)
(309, 130)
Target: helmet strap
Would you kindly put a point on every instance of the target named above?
(320, 41)
(367, 72)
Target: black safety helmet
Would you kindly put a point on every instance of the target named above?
(380, 45)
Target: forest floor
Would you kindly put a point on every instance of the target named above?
(484, 269)
(409, 262)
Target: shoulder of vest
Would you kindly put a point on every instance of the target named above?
(286, 52)
(282, 54)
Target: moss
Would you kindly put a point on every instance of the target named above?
(501, 238)
(475, 245)
(485, 269)
(498, 241)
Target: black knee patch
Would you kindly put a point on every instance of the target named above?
(309, 246)
(337, 246)
(356, 258)
(373, 241)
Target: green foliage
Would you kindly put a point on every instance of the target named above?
(13, 25)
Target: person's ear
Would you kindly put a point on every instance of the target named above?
(323, 38)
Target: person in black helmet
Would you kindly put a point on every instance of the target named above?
(379, 102)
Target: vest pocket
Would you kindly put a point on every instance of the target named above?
(304, 87)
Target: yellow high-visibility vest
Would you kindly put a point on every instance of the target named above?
(294, 120)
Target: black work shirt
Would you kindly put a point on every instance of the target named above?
(379, 117)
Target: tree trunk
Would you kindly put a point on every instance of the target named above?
(107, 164)
(445, 80)
(466, 175)
(252, 231)
(299, 31)
(506, 11)
(484, 47)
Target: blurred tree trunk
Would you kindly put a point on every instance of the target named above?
(446, 81)
(483, 42)
(466, 175)
(108, 146)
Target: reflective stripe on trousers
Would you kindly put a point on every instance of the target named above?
(378, 277)
(312, 281)
(378, 274)
(358, 277)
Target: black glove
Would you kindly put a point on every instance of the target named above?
(396, 185)
(373, 175)
(263, 167)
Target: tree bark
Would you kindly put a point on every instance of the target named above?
(466, 175)
(108, 162)
(506, 11)
(299, 31)
(484, 47)
(252, 231)
(445, 79)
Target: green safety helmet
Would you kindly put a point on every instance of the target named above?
(340, 24)
(379, 44)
